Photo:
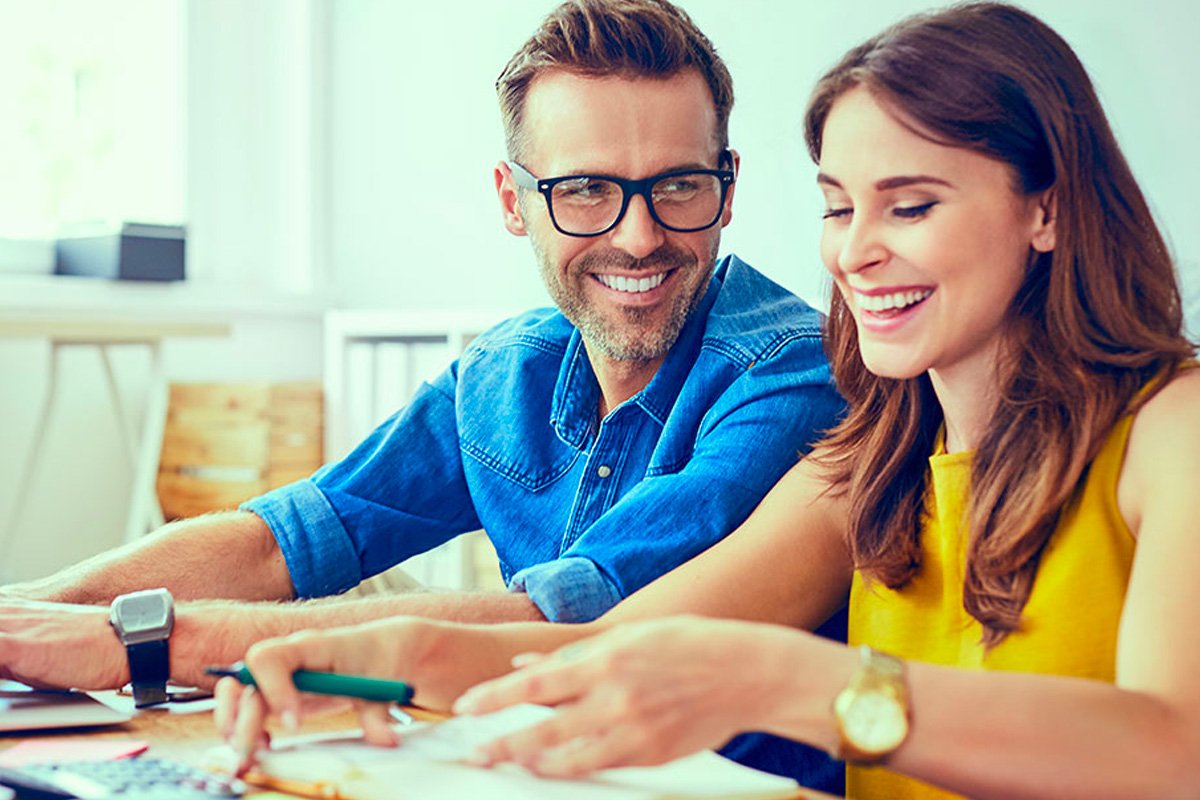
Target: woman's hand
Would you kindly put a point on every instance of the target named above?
(640, 694)
(374, 649)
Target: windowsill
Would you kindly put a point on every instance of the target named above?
(31, 295)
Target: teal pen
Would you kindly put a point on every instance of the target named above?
(331, 683)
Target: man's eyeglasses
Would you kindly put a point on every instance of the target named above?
(590, 205)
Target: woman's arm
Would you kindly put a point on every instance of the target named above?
(787, 564)
(634, 693)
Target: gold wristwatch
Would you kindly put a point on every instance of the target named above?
(872, 712)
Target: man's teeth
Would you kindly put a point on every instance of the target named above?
(887, 302)
(632, 285)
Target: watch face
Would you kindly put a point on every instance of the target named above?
(874, 722)
(143, 616)
(145, 612)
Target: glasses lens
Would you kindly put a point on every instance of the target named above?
(585, 204)
(691, 200)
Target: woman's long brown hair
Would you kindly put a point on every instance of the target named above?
(1094, 321)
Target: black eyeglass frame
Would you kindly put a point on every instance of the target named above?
(527, 180)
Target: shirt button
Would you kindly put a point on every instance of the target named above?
(604, 471)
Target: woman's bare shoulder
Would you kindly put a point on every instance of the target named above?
(1174, 405)
(1162, 458)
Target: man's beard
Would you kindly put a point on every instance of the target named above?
(633, 337)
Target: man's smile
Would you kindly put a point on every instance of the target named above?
(632, 284)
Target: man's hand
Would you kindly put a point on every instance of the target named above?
(59, 645)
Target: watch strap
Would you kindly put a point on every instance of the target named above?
(149, 670)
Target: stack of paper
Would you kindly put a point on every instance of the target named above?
(23, 708)
(427, 765)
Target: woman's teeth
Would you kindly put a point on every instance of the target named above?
(894, 300)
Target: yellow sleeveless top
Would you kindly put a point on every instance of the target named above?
(1068, 627)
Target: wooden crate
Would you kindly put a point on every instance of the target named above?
(226, 443)
(187, 496)
(216, 443)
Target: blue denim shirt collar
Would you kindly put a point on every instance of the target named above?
(577, 392)
(576, 396)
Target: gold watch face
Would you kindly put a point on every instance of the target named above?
(873, 722)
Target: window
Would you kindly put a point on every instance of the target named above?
(92, 110)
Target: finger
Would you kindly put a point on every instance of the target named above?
(614, 747)
(527, 745)
(550, 682)
(228, 694)
(317, 705)
(248, 734)
(527, 659)
(273, 663)
(376, 724)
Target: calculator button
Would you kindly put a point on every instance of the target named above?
(137, 778)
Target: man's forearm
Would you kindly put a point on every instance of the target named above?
(230, 555)
(452, 606)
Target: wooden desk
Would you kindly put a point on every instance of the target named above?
(187, 737)
(181, 736)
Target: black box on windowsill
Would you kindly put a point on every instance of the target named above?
(138, 252)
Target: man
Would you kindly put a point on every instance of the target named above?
(599, 445)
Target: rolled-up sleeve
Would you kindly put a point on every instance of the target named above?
(321, 563)
(570, 589)
(399, 493)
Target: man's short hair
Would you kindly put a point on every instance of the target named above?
(626, 38)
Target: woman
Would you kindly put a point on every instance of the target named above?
(1013, 489)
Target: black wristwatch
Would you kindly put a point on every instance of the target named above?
(143, 622)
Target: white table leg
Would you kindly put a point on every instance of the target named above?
(25, 476)
(145, 514)
(114, 390)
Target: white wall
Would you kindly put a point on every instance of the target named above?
(415, 132)
(255, 150)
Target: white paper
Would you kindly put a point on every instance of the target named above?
(23, 708)
(426, 764)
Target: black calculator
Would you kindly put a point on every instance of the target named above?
(135, 778)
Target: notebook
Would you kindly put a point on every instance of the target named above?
(24, 709)
(427, 764)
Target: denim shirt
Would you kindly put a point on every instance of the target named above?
(582, 512)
